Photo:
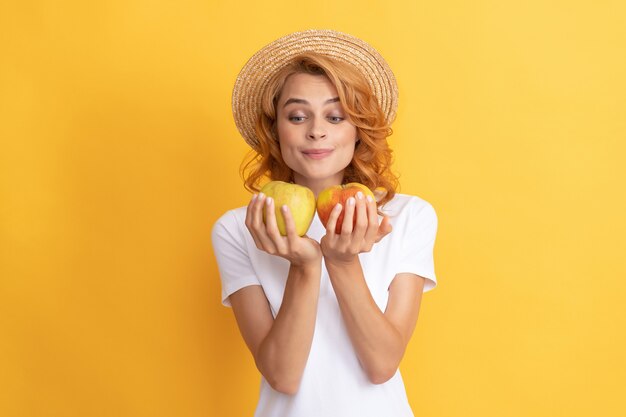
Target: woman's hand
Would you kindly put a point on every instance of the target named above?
(300, 251)
(346, 246)
(280, 343)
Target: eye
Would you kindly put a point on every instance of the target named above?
(296, 119)
(335, 119)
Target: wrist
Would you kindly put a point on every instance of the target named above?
(342, 271)
(342, 262)
(307, 266)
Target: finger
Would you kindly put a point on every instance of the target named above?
(348, 216)
(249, 211)
(257, 213)
(384, 229)
(331, 224)
(290, 225)
(259, 227)
(249, 220)
(271, 227)
(372, 215)
(362, 219)
(254, 218)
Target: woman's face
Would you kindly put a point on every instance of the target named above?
(316, 138)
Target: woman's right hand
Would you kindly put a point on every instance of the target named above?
(300, 251)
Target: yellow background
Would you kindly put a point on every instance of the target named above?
(118, 152)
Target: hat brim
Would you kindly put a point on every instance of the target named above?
(256, 73)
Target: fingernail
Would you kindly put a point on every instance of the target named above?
(284, 208)
(351, 201)
(261, 195)
(369, 198)
(269, 201)
(359, 195)
(337, 207)
(254, 196)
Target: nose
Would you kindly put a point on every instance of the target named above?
(316, 129)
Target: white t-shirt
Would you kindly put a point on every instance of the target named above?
(333, 382)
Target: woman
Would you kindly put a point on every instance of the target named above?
(327, 316)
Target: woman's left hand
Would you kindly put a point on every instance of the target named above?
(357, 238)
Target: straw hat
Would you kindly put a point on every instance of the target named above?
(254, 76)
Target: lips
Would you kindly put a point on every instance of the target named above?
(317, 153)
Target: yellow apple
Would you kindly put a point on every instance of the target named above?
(328, 199)
(299, 199)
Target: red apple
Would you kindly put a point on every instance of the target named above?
(331, 196)
(299, 199)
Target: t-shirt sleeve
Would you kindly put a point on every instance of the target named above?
(232, 256)
(419, 240)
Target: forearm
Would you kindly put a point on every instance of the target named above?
(378, 344)
(283, 354)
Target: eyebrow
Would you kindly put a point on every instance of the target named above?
(302, 101)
